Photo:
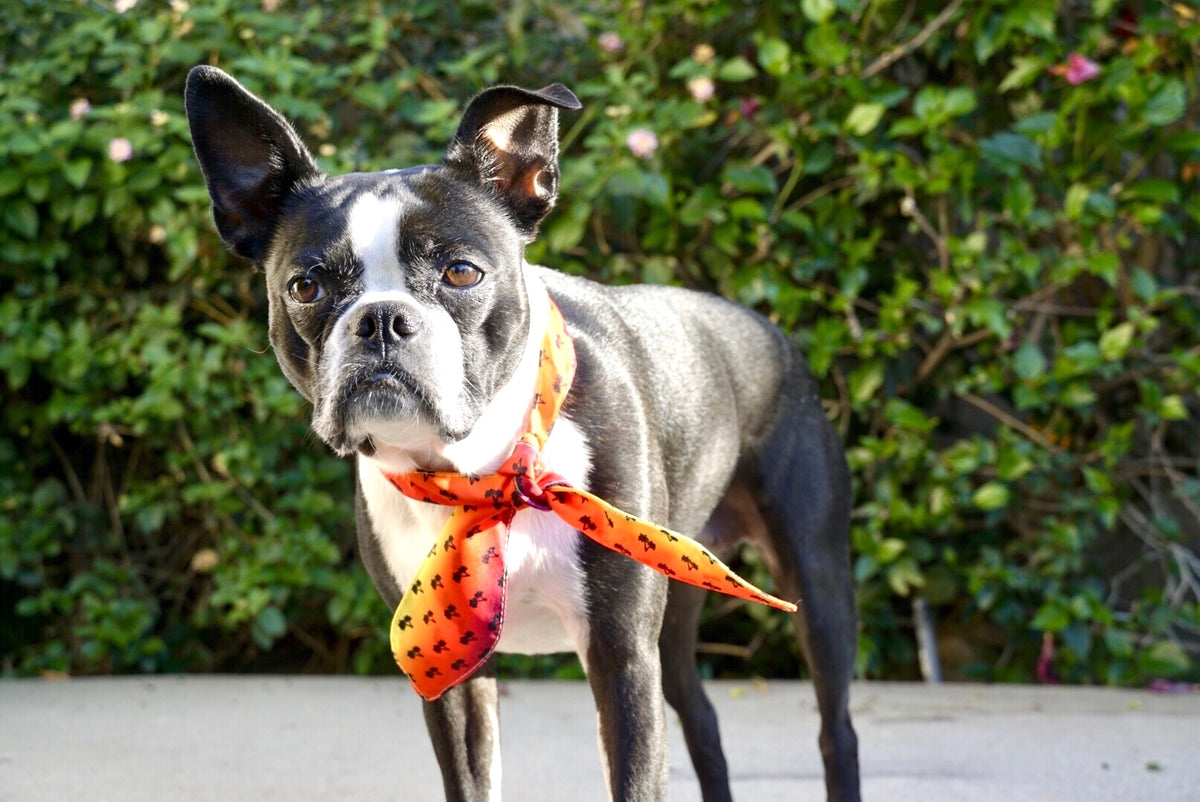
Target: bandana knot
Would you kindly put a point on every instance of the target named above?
(450, 619)
(530, 483)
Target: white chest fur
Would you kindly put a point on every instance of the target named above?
(547, 602)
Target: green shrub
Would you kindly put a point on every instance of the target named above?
(989, 258)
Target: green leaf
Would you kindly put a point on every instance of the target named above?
(1173, 407)
(863, 118)
(1076, 200)
(865, 382)
(1009, 152)
(959, 101)
(37, 188)
(1077, 394)
(907, 416)
(84, 210)
(23, 144)
(990, 496)
(10, 181)
(736, 70)
(819, 159)
(889, 549)
(824, 45)
(1116, 341)
(818, 11)
(269, 625)
(1039, 123)
(1029, 362)
(774, 56)
(1012, 465)
(1118, 642)
(1078, 638)
(1144, 285)
(1025, 70)
(990, 312)
(633, 181)
(755, 179)
(76, 172)
(1097, 481)
(1164, 659)
(22, 217)
(906, 126)
(1034, 18)
(1050, 617)
(1167, 105)
(927, 102)
(1155, 190)
(903, 576)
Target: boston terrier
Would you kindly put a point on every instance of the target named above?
(402, 308)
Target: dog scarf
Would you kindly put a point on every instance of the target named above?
(449, 622)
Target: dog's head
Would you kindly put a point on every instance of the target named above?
(398, 302)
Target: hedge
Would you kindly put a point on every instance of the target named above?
(980, 220)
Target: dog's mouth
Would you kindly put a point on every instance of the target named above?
(382, 378)
(382, 404)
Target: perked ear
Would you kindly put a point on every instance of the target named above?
(252, 159)
(508, 141)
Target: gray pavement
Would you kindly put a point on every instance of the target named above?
(230, 739)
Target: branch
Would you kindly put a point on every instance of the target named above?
(1009, 421)
(947, 343)
(909, 208)
(895, 54)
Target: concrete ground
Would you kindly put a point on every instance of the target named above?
(229, 739)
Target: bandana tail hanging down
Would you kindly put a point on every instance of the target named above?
(449, 621)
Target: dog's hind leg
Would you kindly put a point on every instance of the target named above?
(685, 694)
(805, 500)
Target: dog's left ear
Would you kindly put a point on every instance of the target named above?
(508, 141)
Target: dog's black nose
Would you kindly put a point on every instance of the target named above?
(386, 324)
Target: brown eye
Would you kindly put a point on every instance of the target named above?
(461, 275)
(305, 290)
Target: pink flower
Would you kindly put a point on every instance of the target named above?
(749, 107)
(1044, 671)
(1077, 69)
(642, 142)
(1080, 69)
(611, 42)
(702, 88)
(79, 108)
(120, 149)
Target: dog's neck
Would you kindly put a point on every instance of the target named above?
(496, 431)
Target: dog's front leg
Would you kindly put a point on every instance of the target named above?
(626, 677)
(464, 725)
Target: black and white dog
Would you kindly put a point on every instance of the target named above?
(402, 308)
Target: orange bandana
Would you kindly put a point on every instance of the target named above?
(449, 621)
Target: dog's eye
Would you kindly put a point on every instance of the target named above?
(461, 274)
(305, 290)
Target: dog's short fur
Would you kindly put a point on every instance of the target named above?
(402, 308)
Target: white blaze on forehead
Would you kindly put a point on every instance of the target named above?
(373, 227)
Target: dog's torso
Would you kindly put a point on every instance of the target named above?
(629, 380)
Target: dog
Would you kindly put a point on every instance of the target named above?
(402, 308)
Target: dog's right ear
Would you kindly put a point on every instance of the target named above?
(252, 159)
